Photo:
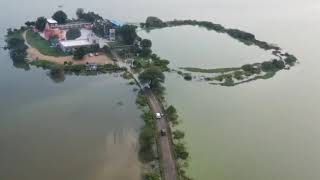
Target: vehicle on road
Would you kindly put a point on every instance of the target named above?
(163, 132)
(158, 115)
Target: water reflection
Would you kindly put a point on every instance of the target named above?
(57, 75)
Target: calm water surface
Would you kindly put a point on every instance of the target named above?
(189, 46)
(264, 130)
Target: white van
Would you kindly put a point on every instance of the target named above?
(158, 116)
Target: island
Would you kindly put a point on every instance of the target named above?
(93, 45)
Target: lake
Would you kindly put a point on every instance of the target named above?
(77, 129)
(202, 48)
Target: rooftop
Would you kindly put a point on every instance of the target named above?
(117, 23)
(52, 21)
(74, 43)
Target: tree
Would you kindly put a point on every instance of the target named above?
(79, 53)
(171, 110)
(152, 76)
(145, 43)
(172, 115)
(290, 59)
(128, 33)
(145, 52)
(278, 64)
(250, 69)
(101, 27)
(17, 49)
(145, 48)
(73, 33)
(41, 23)
(30, 23)
(177, 134)
(89, 16)
(80, 13)
(267, 66)
(60, 17)
(154, 22)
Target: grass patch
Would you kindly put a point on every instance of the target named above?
(36, 41)
(217, 70)
(45, 64)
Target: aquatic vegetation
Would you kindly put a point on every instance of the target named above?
(235, 75)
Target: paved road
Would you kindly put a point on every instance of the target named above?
(167, 160)
(166, 155)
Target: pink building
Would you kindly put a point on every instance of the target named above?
(52, 30)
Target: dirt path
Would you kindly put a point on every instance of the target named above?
(34, 54)
(166, 154)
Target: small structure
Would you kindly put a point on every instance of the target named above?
(76, 25)
(52, 23)
(91, 66)
(116, 24)
(112, 34)
(70, 45)
(52, 31)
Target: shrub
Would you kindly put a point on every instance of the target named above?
(151, 176)
(290, 59)
(79, 53)
(142, 100)
(187, 77)
(178, 134)
(238, 75)
(180, 151)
